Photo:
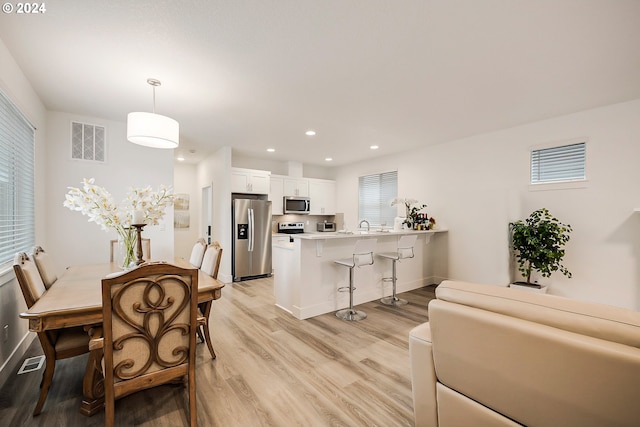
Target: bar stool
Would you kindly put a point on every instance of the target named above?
(362, 255)
(405, 250)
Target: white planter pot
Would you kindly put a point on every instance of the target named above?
(540, 290)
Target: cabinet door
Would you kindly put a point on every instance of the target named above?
(296, 187)
(260, 182)
(322, 194)
(276, 194)
(239, 181)
(249, 181)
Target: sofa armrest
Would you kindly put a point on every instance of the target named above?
(423, 376)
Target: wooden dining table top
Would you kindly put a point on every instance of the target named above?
(75, 299)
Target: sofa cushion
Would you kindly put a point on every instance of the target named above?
(595, 320)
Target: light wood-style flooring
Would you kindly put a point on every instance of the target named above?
(271, 370)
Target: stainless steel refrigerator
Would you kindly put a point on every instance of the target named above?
(251, 254)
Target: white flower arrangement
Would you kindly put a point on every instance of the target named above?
(98, 204)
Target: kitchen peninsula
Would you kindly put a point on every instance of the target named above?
(306, 280)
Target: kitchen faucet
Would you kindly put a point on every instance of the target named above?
(360, 225)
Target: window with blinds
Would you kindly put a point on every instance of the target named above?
(17, 217)
(558, 164)
(375, 193)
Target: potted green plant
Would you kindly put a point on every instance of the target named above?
(538, 243)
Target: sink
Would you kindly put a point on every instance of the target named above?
(372, 231)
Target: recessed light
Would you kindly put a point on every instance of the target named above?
(374, 147)
(271, 150)
(310, 133)
(328, 159)
(180, 158)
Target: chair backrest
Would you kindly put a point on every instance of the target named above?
(45, 266)
(146, 249)
(29, 278)
(405, 246)
(149, 322)
(197, 253)
(363, 252)
(211, 260)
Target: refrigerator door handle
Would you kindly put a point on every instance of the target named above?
(251, 229)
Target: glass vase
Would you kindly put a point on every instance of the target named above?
(126, 254)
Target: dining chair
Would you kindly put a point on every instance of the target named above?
(197, 253)
(149, 328)
(45, 266)
(210, 266)
(57, 344)
(146, 249)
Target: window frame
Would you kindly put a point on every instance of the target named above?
(573, 183)
(19, 163)
(392, 210)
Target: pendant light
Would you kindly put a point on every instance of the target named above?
(151, 129)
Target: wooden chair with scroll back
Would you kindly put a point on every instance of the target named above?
(149, 328)
(210, 266)
(45, 266)
(56, 344)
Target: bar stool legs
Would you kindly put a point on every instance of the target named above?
(362, 256)
(405, 250)
(393, 300)
(349, 313)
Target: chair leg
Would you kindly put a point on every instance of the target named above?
(47, 378)
(207, 335)
(393, 299)
(349, 313)
(201, 309)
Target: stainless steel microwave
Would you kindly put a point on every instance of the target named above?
(296, 205)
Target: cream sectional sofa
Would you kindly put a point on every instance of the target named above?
(495, 356)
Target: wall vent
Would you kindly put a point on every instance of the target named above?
(88, 142)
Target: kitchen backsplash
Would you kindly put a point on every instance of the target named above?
(310, 221)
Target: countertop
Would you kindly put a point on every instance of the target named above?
(352, 234)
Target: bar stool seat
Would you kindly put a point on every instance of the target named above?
(405, 250)
(362, 255)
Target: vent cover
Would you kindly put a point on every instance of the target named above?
(88, 142)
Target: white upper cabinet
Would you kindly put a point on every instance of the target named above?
(322, 193)
(276, 194)
(250, 181)
(296, 187)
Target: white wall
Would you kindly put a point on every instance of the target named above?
(476, 185)
(15, 85)
(185, 181)
(215, 170)
(71, 239)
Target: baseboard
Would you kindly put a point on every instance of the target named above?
(15, 358)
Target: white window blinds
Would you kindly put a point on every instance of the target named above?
(375, 193)
(16, 181)
(556, 164)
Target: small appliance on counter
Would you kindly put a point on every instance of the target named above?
(326, 226)
(291, 227)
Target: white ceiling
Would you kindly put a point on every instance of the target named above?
(253, 74)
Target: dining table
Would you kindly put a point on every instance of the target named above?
(75, 299)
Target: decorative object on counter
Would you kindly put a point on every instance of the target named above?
(538, 244)
(142, 206)
(414, 219)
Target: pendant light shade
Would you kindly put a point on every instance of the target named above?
(151, 129)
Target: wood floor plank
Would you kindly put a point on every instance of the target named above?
(272, 370)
